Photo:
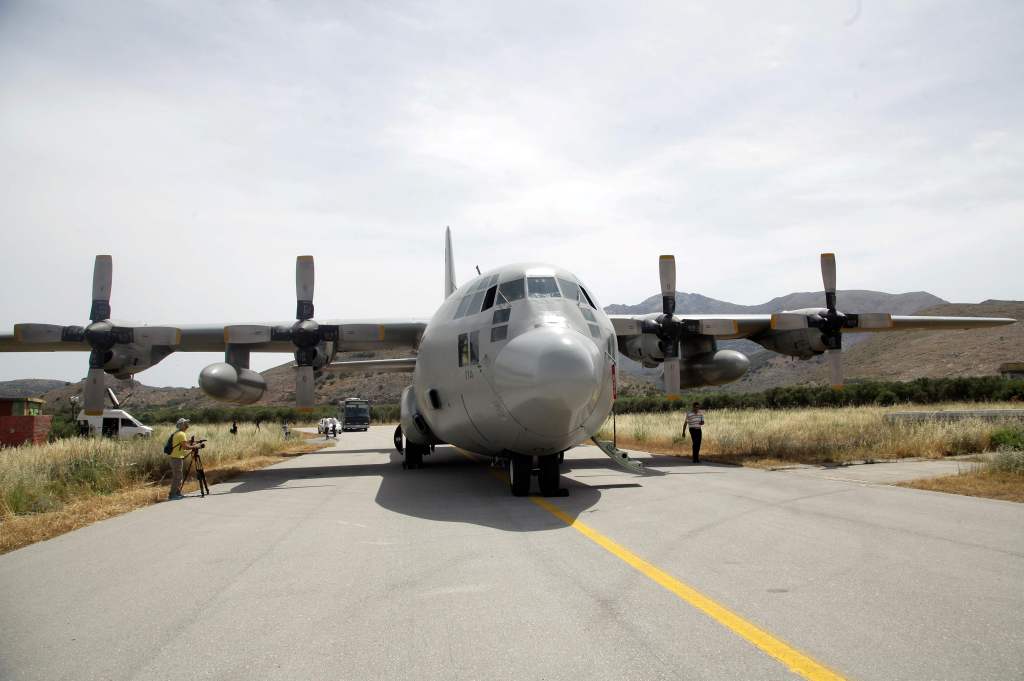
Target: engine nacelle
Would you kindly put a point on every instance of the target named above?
(223, 382)
(644, 348)
(414, 426)
(802, 343)
(712, 368)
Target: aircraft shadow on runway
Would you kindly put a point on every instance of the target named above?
(452, 487)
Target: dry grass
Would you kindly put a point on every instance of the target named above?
(1005, 486)
(773, 438)
(1001, 477)
(46, 490)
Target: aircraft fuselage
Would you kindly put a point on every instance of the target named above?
(517, 361)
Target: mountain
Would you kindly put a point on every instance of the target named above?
(330, 387)
(849, 301)
(888, 356)
(28, 387)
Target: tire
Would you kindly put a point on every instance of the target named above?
(414, 455)
(548, 477)
(520, 469)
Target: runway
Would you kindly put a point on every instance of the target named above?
(341, 565)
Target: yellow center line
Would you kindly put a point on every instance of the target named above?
(797, 662)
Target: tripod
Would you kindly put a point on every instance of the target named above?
(204, 489)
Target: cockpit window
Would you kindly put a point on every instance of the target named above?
(463, 306)
(489, 298)
(474, 304)
(586, 295)
(512, 290)
(543, 287)
(570, 289)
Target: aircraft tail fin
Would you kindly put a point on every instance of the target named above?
(449, 264)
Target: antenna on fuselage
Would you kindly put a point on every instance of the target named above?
(477, 269)
(449, 264)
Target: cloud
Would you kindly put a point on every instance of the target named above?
(205, 146)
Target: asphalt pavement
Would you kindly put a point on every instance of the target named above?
(341, 565)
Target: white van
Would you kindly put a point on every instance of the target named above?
(324, 426)
(114, 423)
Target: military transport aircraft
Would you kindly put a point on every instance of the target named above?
(518, 363)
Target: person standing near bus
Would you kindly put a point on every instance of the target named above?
(694, 423)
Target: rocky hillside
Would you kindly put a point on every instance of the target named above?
(28, 387)
(849, 301)
(892, 356)
(904, 356)
(383, 388)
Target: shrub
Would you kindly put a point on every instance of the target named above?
(1008, 438)
(1007, 460)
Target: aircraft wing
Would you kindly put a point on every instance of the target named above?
(351, 335)
(727, 327)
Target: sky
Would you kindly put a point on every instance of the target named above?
(205, 145)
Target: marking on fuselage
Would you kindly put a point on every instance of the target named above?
(796, 661)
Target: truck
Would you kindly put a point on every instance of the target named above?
(354, 413)
(115, 423)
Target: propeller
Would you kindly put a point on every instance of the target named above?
(100, 334)
(831, 321)
(305, 334)
(669, 327)
(831, 329)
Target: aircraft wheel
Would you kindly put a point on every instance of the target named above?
(414, 455)
(519, 471)
(398, 440)
(548, 477)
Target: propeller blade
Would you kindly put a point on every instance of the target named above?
(828, 271)
(835, 367)
(670, 372)
(102, 276)
(157, 335)
(874, 320)
(247, 333)
(304, 387)
(828, 278)
(38, 333)
(95, 392)
(788, 321)
(304, 278)
(667, 274)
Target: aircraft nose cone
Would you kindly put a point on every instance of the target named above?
(549, 379)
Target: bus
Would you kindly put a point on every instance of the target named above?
(354, 413)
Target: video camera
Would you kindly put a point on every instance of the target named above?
(198, 444)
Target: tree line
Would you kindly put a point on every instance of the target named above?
(866, 393)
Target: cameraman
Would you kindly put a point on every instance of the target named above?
(180, 448)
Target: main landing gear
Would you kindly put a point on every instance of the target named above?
(520, 470)
(412, 451)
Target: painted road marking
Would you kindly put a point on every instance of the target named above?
(797, 662)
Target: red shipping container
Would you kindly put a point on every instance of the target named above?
(17, 430)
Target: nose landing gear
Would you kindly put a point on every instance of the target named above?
(520, 470)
